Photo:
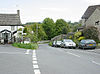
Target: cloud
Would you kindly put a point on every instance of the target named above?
(54, 9)
(93, 2)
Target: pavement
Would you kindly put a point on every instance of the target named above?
(48, 60)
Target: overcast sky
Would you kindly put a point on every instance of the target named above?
(37, 10)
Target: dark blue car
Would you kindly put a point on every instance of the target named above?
(87, 43)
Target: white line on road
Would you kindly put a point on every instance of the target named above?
(73, 54)
(95, 62)
(34, 56)
(27, 51)
(34, 59)
(35, 65)
(37, 71)
(34, 62)
(33, 51)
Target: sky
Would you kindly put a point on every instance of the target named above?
(38, 10)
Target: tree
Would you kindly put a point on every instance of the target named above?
(61, 27)
(75, 27)
(35, 32)
(91, 33)
(39, 31)
(48, 26)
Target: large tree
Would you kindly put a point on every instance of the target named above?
(62, 27)
(48, 25)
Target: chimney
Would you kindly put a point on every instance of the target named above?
(18, 12)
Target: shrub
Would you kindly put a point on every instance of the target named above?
(50, 43)
(77, 37)
(26, 46)
(91, 33)
(81, 38)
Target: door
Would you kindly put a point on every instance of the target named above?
(5, 38)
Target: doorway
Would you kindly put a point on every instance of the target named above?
(5, 38)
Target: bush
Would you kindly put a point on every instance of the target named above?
(81, 38)
(77, 37)
(50, 43)
(91, 33)
(26, 46)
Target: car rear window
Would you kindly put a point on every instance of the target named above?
(88, 41)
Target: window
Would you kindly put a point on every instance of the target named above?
(97, 23)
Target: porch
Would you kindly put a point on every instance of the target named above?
(7, 37)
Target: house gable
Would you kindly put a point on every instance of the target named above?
(91, 21)
(89, 11)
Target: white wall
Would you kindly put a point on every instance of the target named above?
(9, 28)
(5, 27)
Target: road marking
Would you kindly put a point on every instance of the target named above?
(35, 58)
(33, 51)
(27, 51)
(34, 62)
(73, 54)
(35, 65)
(37, 71)
(95, 62)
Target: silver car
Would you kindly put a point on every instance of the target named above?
(58, 43)
(68, 43)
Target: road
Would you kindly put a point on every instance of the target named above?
(48, 60)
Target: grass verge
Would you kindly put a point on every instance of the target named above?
(26, 46)
(50, 43)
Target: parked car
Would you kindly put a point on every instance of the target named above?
(58, 43)
(87, 43)
(54, 43)
(68, 43)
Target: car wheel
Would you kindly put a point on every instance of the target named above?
(93, 48)
(74, 47)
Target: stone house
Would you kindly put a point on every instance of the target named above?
(9, 24)
(91, 17)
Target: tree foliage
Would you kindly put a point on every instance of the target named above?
(35, 32)
(91, 33)
(48, 25)
(39, 31)
(61, 27)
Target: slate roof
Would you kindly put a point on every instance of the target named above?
(10, 19)
(89, 11)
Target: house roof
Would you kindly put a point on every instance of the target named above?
(89, 11)
(10, 19)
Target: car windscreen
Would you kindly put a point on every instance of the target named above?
(58, 41)
(88, 41)
(68, 41)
